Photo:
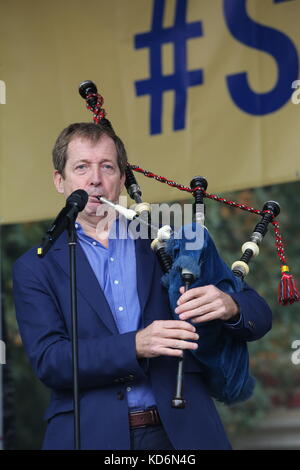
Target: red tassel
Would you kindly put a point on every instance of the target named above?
(287, 289)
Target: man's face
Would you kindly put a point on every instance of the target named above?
(94, 168)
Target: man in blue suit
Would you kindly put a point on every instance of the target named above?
(128, 341)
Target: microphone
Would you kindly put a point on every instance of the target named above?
(75, 203)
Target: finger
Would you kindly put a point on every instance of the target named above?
(181, 334)
(206, 309)
(179, 344)
(171, 352)
(192, 304)
(191, 294)
(206, 317)
(175, 324)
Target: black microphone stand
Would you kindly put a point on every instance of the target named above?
(73, 291)
(66, 221)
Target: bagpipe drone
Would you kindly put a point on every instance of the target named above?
(224, 360)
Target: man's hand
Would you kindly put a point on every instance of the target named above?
(165, 338)
(206, 303)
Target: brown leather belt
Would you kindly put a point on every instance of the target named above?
(142, 419)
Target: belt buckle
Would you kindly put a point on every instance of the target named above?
(142, 412)
(134, 413)
(154, 415)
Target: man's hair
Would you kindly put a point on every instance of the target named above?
(93, 133)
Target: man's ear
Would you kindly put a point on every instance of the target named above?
(123, 178)
(58, 181)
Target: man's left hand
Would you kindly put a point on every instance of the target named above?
(206, 303)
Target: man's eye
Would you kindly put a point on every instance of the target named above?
(80, 167)
(107, 167)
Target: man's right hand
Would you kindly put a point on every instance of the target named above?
(165, 338)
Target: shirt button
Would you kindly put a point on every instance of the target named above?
(116, 282)
(128, 389)
(121, 309)
(94, 243)
(112, 259)
(76, 225)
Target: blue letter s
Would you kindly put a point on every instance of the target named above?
(266, 39)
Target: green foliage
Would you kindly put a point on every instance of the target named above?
(277, 378)
(244, 416)
(30, 396)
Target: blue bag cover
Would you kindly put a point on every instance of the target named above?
(224, 359)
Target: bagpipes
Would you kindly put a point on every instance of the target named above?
(223, 359)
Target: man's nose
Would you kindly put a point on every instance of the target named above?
(96, 176)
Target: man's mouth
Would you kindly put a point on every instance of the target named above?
(95, 198)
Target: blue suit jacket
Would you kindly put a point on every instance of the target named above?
(107, 359)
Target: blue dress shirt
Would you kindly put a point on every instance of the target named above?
(115, 270)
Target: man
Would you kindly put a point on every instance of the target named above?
(128, 341)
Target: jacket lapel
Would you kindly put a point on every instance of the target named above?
(87, 283)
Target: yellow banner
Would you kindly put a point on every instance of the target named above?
(193, 87)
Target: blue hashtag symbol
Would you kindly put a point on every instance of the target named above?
(181, 79)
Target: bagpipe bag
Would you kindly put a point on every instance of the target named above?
(224, 359)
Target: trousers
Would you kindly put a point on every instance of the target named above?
(150, 438)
